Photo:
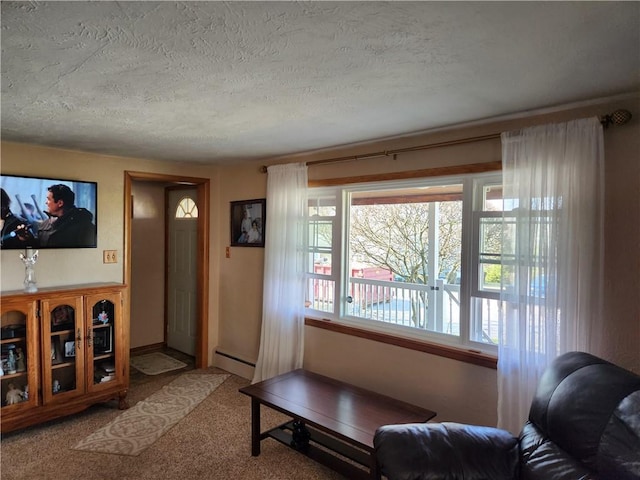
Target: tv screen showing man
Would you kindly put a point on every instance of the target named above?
(61, 224)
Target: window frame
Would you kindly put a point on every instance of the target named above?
(335, 252)
(474, 178)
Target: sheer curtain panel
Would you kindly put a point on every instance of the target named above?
(552, 255)
(282, 336)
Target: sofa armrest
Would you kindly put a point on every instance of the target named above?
(451, 451)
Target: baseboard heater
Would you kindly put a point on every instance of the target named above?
(218, 352)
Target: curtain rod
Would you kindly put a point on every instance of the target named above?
(387, 153)
(619, 117)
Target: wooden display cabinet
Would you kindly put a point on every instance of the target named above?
(74, 352)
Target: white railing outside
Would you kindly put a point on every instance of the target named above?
(432, 308)
(407, 304)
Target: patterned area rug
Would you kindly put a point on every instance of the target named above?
(155, 363)
(139, 427)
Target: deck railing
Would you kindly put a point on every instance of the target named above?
(433, 308)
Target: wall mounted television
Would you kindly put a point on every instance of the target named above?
(44, 213)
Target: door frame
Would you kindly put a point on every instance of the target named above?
(202, 255)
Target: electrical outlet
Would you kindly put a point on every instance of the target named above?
(109, 256)
(228, 252)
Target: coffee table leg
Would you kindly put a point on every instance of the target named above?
(300, 436)
(255, 427)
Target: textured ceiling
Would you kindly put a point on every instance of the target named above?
(218, 82)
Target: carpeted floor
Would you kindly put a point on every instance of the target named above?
(137, 428)
(211, 442)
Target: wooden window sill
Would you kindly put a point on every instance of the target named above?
(462, 355)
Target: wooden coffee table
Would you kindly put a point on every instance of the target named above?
(328, 413)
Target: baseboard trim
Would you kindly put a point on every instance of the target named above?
(234, 365)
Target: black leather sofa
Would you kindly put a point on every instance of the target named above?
(584, 424)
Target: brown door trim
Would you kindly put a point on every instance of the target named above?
(203, 188)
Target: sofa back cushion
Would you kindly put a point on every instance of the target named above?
(619, 454)
(575, 402)
(542, 459)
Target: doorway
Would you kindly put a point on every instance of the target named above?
(201, 300)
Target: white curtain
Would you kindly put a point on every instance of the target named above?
(282, 337)
(552, 257)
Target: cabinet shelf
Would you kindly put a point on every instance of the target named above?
(13, 340)
(97, 326)
(7, 376)
(60, 333)
(103, 356)
(56, 366)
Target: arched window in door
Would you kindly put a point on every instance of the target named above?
(187, 208)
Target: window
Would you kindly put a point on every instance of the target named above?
(486, 245)
(322, 249)
(187, 208)
(413, 258)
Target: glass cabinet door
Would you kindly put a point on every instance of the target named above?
(103, 314)
(18, 356)
(63, 348)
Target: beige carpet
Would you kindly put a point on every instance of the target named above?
(139, 427)
(213, 442)
(155, 363)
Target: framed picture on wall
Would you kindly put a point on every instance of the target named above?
(248, 223)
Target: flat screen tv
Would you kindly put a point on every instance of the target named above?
(44, 213)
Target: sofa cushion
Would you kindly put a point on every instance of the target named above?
(619, 453)
(446, 451)
(562, 367)
(542, 459)
(575, 402)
